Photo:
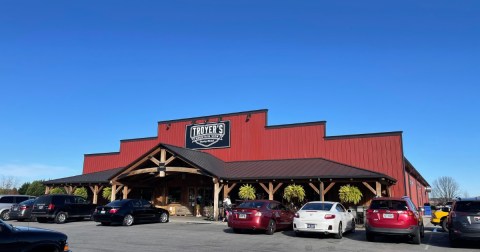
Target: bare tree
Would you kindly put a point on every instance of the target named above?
(7, 185)
(445, 189)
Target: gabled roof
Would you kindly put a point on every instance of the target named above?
(89, 178)
(298, 169)
(200, 159)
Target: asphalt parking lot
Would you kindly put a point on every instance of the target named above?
(192, 234)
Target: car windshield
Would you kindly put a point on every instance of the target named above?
(42, 200)
(317, 206)
(27, 202)
(389, 205)
(468, 206)
(251, 204)
(117, 203)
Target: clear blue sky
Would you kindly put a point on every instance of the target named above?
(78, 76)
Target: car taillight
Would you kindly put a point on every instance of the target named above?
(410, 213)
(51, 207)
(113, 210)
(23, 207)
(329, 216)
(258, 214)
(297, 215)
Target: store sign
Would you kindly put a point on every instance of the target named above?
(208, 135)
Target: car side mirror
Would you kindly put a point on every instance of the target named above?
(349, 210)
(446, 209)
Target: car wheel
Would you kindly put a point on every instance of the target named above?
(128, 220)
(42, 220)
(416, 237)
(163, 218)
(444, 225)
(354, 226)
(272, 226)
(60, 218)
(5, 215)
(105, 223)
(422, 231)
(339, 235)
(370, 236)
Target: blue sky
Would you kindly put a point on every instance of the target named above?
(78, 76)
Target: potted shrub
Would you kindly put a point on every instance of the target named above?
(350, 194)
(294, 194)
(247, 192)
(107, 193)
(81, 191)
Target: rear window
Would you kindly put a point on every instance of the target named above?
(389, 205)
(43, 200)
(20, 198)
(317, 206)
(468, 206)
(27, 202)
(251, 204)
(117, 203)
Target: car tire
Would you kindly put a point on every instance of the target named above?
(61, 218)
(128, 220)
(42, 220)
(422, 231)
(354, 226)
(444, 224)
(5, 215)
(339, 235)
(416, 239)
(370, 236)
(163, 218)
(272, 226)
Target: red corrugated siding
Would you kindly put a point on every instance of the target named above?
(252, 140)
(129, 151)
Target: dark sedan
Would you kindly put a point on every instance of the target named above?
(128, 212)
(268, 215)
(13, 239)
(22, 211)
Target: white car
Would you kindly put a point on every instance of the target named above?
(324, 217)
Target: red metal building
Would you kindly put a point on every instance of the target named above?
(251, 139)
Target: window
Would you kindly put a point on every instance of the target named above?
(318, 206)
(174, 195)
(80, 200)
(251, 204)
(340, 208)
(20, 199)
(6, 199)
(145, 203)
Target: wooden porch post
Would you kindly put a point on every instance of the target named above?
(113, 194)
(216, 192)
(322, 189)
(227, 189)
(378, 189)
(47, 189)
(95, 189)
(126, 191)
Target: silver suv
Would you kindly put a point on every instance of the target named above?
(6, 201)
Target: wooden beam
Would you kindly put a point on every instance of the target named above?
(227, 189)
(136, 164)
(322, 194)
(314, 188)
(264, 188)
(183, 169)
(216, 192)
(141, 171)
(155, 161)
(277, 187)
(379, 189)
(328, 188)
(113, 193)
(169, 160)
(47, 189)
(369, 187)
(389, 191)
(126, 191)
(163, 155)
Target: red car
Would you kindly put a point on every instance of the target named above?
(394, 216)
(268, 215)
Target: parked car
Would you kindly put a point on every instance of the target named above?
(394, 216)
(6, 202)
(268, 215)
(61, 208)
(324, 217)
(128, 212)
(14, 238)
(439, 217)
(22, 211)
(464, 220)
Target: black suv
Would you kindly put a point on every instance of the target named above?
(61, 207)
(464, 220)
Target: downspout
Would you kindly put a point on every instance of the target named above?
(404, 171)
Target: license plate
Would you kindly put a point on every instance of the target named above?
(477, 219)
(242, 216)
(310, 225)
(388, 216)
(102, 212)
(40, 207)
(15, 208)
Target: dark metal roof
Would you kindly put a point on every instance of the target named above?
(94, 177)
(200, 159)
(297, 169)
